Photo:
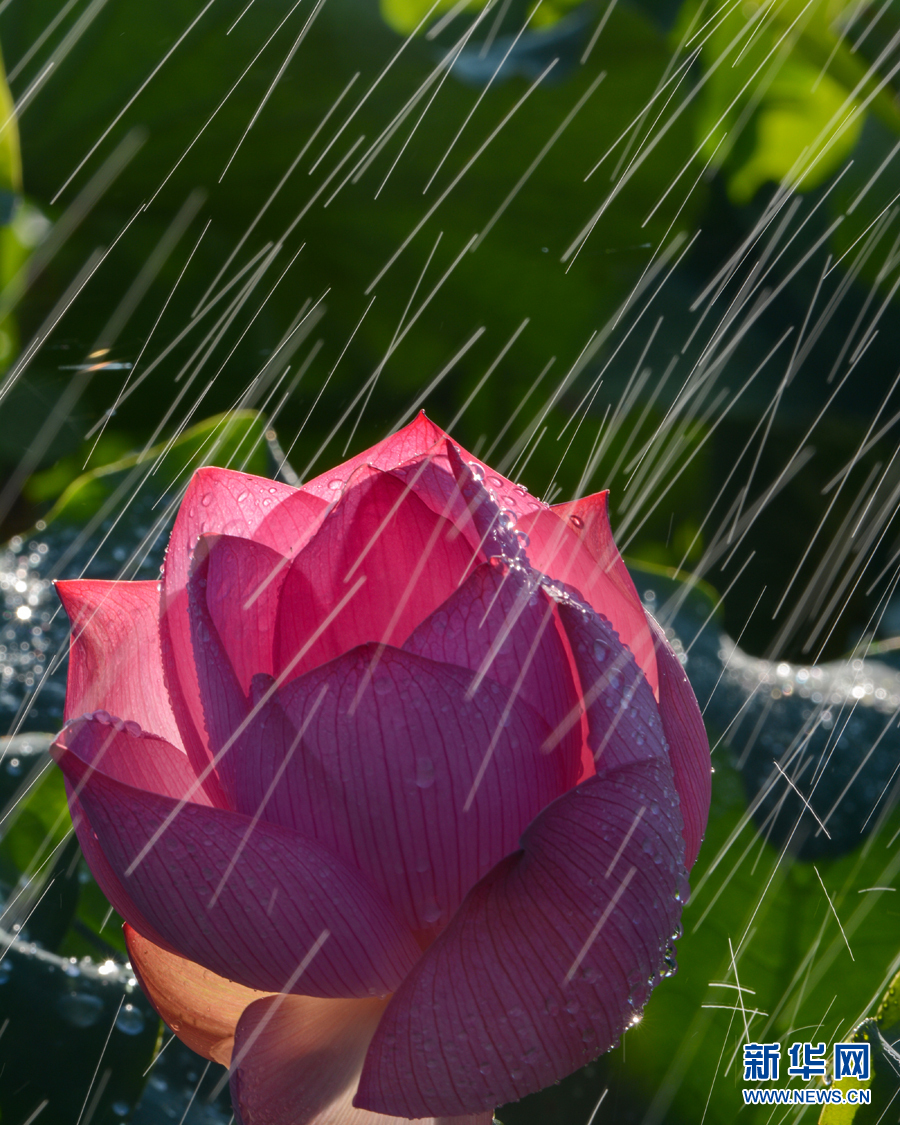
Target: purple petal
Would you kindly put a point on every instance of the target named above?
(106, 878)
(380, 562)
(501, 624)
(383, 757)
(547, 961)
(253, 902)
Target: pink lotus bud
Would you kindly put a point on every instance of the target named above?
(393, 780)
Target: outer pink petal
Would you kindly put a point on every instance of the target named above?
(556, 548)
(252, 902)
(688, 744)
(201, 1008)
(297, 1061)
(243, 584)
(385, 760)
(220, 502)
(380, 537)
(501, 624)
(115, 661)
(547, 961)
(589, 519)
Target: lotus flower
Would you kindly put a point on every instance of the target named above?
(393, 780)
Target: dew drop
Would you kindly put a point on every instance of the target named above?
(130, 1020)
(81, 1009)
(206, 499)
(431, 912)
(424, 773)
(576, 521)
(477, 471)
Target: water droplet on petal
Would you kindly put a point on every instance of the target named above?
(424, 773)
(431, 912)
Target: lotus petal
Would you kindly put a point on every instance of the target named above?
(201, 1008)
(408, 444)
(556, 549)
(297, 1061)
(548, 959)
(688, 744)
(380, 562)
(385, 759)
(219, 502)
(623, 719)
(201, 874)
(115, 661)
(243, 585)
(502, 625)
